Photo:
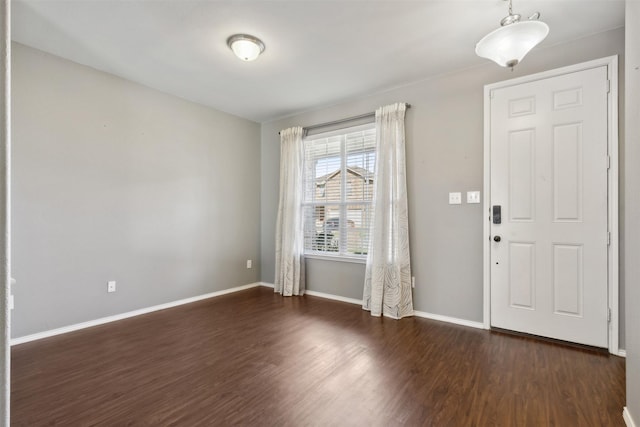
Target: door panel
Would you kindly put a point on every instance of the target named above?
(521, 180)
(567, 170)
(549, 174)
(522, 275)
(567, 279)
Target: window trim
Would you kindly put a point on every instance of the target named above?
(340, 258)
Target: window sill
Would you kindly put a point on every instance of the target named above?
(342, 258)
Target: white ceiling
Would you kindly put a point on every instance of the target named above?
(317, 52)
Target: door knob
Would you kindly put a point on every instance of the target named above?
(496, 238)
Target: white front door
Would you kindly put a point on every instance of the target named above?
(548, 176)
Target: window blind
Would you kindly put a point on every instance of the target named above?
(338, 192)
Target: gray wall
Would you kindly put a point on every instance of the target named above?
(444, 131)
(632, 208)
(116, 181)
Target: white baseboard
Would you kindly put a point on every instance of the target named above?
(333, 297)
(627, 418)
(454, 320)
(622, 353)
(321, 295)
(108, 319)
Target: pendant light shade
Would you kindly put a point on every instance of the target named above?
(245, 47)
(507, 45)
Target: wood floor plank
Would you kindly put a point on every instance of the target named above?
(255, 358)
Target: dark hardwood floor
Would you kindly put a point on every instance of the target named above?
(255, 358)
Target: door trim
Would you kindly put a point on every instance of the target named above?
(611, 63)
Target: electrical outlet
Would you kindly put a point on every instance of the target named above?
(413, 281)
(111, 286)
(248, 263)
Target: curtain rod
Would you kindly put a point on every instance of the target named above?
(337, 122)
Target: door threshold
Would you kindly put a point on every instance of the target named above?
(531, 337)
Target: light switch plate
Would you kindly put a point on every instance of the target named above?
(473, 197)
(455, 198)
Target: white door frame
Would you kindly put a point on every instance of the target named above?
(5, 209)
(611, 63)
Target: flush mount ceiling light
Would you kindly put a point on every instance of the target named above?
(507, 45)
(245, 47)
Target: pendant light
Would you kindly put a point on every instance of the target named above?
(245, 47)
(507, 45)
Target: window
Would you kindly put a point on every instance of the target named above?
(338, 191)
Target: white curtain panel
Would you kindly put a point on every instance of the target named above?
(387, 286)
(289, 278)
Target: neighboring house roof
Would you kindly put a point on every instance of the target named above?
(363, 173)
